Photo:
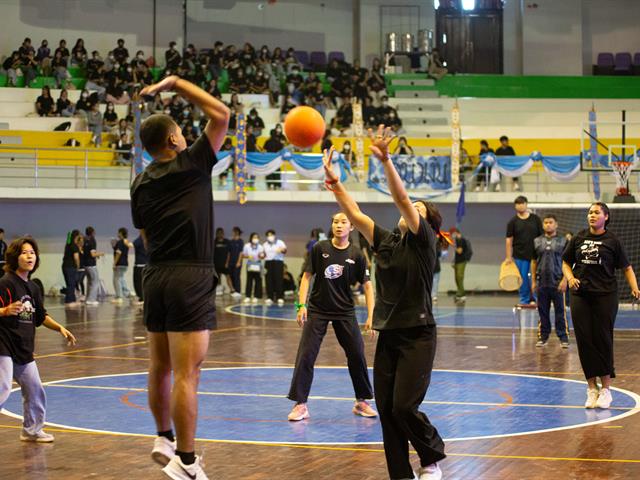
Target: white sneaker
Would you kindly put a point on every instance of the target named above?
(280, 302)
(179, 471)
(117, 300)
(246, 300)
(92, 304)
(38, 437)
(604, 398)
(298, 412)
(254, 300)
(592, 398)
(268, 302)
(236, 295)
(163, 450)
(430, 472)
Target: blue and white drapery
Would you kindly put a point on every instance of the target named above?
(563, 168)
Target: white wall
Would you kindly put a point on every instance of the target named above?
(614, 26)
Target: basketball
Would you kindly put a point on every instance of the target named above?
(304, 126)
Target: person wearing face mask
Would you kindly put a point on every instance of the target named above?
(254, 253)
(59, 67)
(172, 58)
(294, 83)
(403, 148)
(83, 105)
(120, 53)
(275, 250)
(110, 117)
(347, 154)
(64, 106)
(259, 84)
(256, 122)
(94, 124)
(43, 57)
(236, 246)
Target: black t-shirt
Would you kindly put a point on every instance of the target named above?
(123, 248)
(89, 244)
(141, 252)
(466, 253)
(524, 232)
(404, 276)
(594, 259)
(220, 252)
(335, 270)
(502, 151)
(17, 333)
(110, 116)
(173, 202)
(46, 103)
(3, 249)
(69, 250)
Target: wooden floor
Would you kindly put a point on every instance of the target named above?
(111, 341)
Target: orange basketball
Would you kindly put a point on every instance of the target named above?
(304, 126)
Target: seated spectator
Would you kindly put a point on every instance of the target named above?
(64, 106)
(376, 67)
(347, 154)
(110, 117)
(263, 61)
(403, 148)
(176, 106)
(340, 88)
(369, 113)
(83, 106)
(318, 99)
(120, 53)
(231, 61)
(123, 132)
(116, 92)
(482, 179)
(287, 105)
(277, 64)
(13, 66)
(201, 76)
(142, 75)
(239, 83)
(377, 87)
(385, 110)
(227, 146)
(125, 74)
(172, 59)
(437, 69)
(356, 69)
(310, 84)
(326, 141)
(94, 124)
(256, 123)
(60, 72)
(186, 116)
(213, 90)
(216, 56)
(251, 140)
(139, 60)
(43, 57)
(156, 105)
(45, 106)
(189, 134)
(64, 51)
(259, 84)
(26, 48)
(109, 64)
(360, 86)
(394, 122)
(123, 146)
(344, 117)
(247, 57)
(291, 62)
(333, 71)
(234, 101)
(294, 85)
(29, 68)
(78, 53)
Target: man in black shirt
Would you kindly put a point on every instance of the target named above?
(337, 264)
(507, 150)
(120, 53)
(522, 230)
(172, 205)
(462, 256)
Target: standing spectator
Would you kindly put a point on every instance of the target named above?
(589, 263)
(347, 154)
(437, 70)
(482, 179)
(441, 251)
(45, 107)
(503, 150)
(236, 245)
(64, 106)
(254, 253)
(91, 254)
(94, 124)
(403, 148)
(548, 283)
(274, 250)
(43, 57)
(64, 51)
(121, 265)
(80, 274)
(120, 53)
(13, 66)
(70, 267)
(215, 59)
(274, 144)
(60, 72)
(256, 122)
(463, 254)
(78, 53)
(140, 262)
(221, 256)
(172, 59)
(3, 250)
(522, 230)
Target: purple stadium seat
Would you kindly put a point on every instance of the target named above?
(636, 64)
(622, 63)
(318, 60)
(339, 56)
(605, 64)
(302, 57)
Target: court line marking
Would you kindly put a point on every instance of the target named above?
(634, 410)
(339, 449)
(324, 397)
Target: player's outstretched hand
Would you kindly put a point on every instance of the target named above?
(329, 174)
(380, 142)
(164, 85)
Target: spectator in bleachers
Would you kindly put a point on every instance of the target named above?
(357, 69)
(507, 150)
(239, 84)
(333, 71)
(201, 75)
(482, 179)
(394, 122)
(43, 57)
(377, 87)
(256, 123)
(247, 58)
(251, 140)
(84, 103)
(115, 91)
(294, 85)
(263, 59)
(403, 148)
(64, 106)
(139, 60)
(360, 86)
(318, 100)
(142, 75)
(273, 145)
(437, 70)
(213, 90)
(13, 66)
(26, 48)
(311, 83)
(120, 53)
(259, 83)
(64, 51)
(172, 59)
(189, 134)
(234, 101)
(288, 104)
(216, 56)
(376, 67)
(326, 141)
(156, 105)
(59, 66)
(277, 64)
(340, 87)
(94, 124)
(29, 68)
(369, 113)
(94, 73)
(45, 107)
(344, 118)
(384, 111)
(109, 64)
(78, 53)
(110, 117)
(347, 153)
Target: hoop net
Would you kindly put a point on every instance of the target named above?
(622, 172)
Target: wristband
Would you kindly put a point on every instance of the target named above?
(299, 306)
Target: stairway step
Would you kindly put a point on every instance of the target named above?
(422, 82)
(416, 94)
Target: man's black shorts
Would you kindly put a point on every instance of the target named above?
(179, 298)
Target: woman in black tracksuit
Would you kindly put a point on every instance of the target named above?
(403, 316)
(589, 263)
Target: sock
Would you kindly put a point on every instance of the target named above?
(168, 435)
(187, 458)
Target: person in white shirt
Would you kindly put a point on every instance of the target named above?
(274, 250)
(254, 253)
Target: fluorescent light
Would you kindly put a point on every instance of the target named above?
(468, 4)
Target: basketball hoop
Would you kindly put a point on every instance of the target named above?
(622, 172)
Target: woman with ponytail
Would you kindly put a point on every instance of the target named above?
(402, 315)
(70, 267)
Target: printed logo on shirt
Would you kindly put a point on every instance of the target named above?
(333, 271)
(366, 272)
(325, 255)
(590, 251)
(26, 315)
(352, 262)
